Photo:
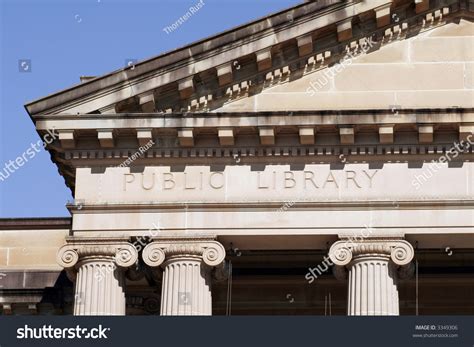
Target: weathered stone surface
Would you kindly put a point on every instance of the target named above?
(305, 45)
(106, 138)
(259, 176)
(267, 136)
(264, 59)
(378, 77)
(34, 250)
(186, 137)
(347, 135)
(144, 136)
(147, 102)
(386, 134)
(66, 137)
(415, 78)
(306, 136)
(454, 49)
(382, 15)
(344, 30)
(226, 137)
(425, 134)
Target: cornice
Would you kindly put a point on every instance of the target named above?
(360, 116)
(35, 223)
(428, 202)
(227, 126)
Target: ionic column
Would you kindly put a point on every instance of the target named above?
(373, 267)
(97, 265)
(187, 273)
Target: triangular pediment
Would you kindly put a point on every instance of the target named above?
(401, 73)
(278, 54)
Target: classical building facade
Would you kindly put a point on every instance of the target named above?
(316, 161)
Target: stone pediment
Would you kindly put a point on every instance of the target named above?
(400, 72)
(278, 54)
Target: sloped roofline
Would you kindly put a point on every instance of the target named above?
(314, 32)
(178, 54)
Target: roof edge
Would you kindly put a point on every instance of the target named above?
(185, 52)
(36, 223)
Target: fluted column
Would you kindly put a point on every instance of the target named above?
(374, 267)
(187, 273)
(97, 268)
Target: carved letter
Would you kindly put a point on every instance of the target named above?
(352, 177)
(330, 178)
(168, 177)
(186, 182)
(370, 177)
(258, 182)
(290, 177)
(125, 181)
(215, 186)
(309, 176)
(152, 181)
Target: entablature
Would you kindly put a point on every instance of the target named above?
(156, 139)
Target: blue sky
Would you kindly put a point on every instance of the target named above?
(58, 41)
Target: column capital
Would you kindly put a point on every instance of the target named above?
(164, 248)
(77, 249)
(400, 252)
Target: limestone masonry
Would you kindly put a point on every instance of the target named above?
(260, 172)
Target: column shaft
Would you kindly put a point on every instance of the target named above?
(372, 288)
(186, 288)
(97, 267)
(374, 266)
(99, 289)
(188, 264)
